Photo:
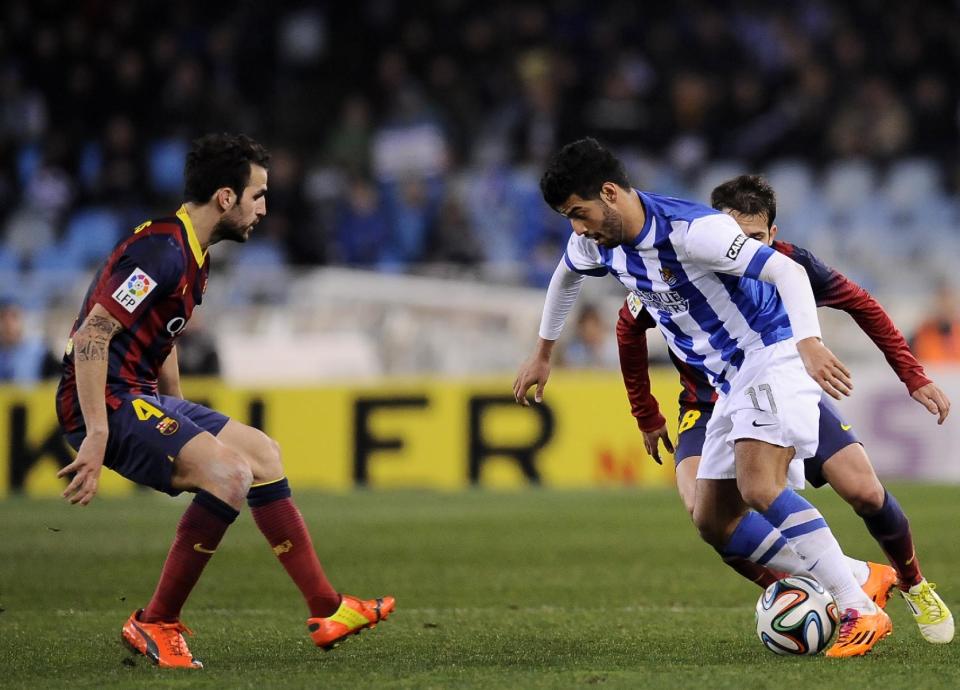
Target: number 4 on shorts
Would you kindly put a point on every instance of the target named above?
(144, 409)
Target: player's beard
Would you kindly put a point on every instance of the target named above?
(228, 229)
(611, 229)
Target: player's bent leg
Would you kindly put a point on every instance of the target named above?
(756, 573)
(851, 475)
(205, 463)
(761, 471)
(686, 473)
(743, 538)
(863, 624)
(333, 616)
(717, 509)
(260, 451)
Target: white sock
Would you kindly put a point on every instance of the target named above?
(807, 532)
(860, 570)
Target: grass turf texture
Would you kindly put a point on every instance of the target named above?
(536, 589)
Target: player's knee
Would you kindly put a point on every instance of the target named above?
(758, 495)
(866, 500)
(265, 458)
(230, 476)
(272, 457)
(711, 532)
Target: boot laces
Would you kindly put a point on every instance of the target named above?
(174, 638)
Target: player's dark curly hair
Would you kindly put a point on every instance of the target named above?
(748, 194)
(220, 160)
(580, 168)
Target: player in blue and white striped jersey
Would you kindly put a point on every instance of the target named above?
(744, 315)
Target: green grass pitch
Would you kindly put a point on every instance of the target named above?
(534, 589)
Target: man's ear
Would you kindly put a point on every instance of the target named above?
(609, 193)
(773, 232)
(226, 198)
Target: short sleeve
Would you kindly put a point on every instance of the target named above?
(149, 269)
(583, 256)
(716, 243)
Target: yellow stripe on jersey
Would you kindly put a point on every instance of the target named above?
(198, 252)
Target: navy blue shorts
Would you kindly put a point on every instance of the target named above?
(835, 435)
(147, 433)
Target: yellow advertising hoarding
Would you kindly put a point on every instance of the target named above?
(425, 433)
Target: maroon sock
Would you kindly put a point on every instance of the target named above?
(756, 573)
(283, 526)
(890, 527)
(199, 533)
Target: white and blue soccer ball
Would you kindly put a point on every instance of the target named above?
(796, 615)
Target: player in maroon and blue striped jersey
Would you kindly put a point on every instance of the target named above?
(840, 459)
(119, 404)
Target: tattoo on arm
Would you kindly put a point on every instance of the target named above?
(93, 339)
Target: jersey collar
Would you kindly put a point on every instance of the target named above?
(198, 254)
(647, 218)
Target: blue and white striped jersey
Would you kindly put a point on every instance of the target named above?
(695, 271)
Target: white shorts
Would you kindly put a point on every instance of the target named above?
(772, 399)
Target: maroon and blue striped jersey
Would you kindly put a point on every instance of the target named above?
(150, 283)
(830, 289)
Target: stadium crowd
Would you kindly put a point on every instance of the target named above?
(406, 136)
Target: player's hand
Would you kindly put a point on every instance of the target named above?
(86, 471)
(535, 371)
(934, 399)
(825, 368)
(652, 440)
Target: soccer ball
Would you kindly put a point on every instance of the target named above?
(796, 615)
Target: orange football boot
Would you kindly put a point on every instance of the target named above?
(162, 643)
(859, 632)
(350, 618)
(880, 583)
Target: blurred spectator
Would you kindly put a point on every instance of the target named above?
(363, 228)
(592, 345)
(451, 236)
(937, 339)
(412, 212)
(348, 144)
(24, 359)
(122, 178)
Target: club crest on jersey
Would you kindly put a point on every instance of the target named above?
(134, 289)
(168, 426)
(668, 276)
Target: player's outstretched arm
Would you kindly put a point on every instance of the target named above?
(91, 353)
(634, 367)
(833, 289)
(168, 382)
(562, 294)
